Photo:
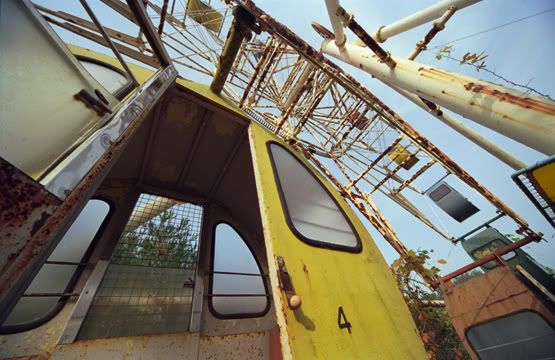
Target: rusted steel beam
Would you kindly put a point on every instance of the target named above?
(391, 173)
(352, 126)
(376, 160)
(285, 115)
(254, 76)
(142, 19)
(163, 17)
(420, 171)
(527, 119)
(496, 255)
(129, 40)
(311, 109)
(265, 70)
(145, 59)
(240, 29)
(121, 8)
(355, 27)
(437, 27)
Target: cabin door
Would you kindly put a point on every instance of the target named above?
(320, 255)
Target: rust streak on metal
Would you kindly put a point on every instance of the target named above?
(21, 199)
(256, 71)
(527, 103)
(414, 176)
(58, 218)
(494, 256)
(163, 17)
(355, 27)
(376, 160)
(436, 28)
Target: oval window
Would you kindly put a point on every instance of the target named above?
(238, 288)
(311, 211)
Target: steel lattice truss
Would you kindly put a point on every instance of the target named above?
(359, 143)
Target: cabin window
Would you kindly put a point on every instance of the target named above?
(522, 335)
(237, 284)
(148, 286)
(311, 211)
(488, 249)
(111, 78)
(52, 285)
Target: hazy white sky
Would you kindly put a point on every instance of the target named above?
(523, 52)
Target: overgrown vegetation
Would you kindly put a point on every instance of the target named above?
(434, 324)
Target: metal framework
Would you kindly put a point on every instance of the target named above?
(361, 145)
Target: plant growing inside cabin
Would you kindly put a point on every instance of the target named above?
(433, 322)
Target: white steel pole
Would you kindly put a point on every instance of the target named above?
(333, 6)
(418, 18)
(467, 132)
(527, 119)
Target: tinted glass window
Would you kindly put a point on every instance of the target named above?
(53, 278)
(237, 283)
(312, 212)
(524, 335)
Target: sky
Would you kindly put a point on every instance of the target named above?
(522, 52)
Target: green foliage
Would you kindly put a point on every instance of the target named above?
(434, 324)
(444, 51)
(160, 242)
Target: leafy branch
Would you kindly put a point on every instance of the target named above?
(477, 61)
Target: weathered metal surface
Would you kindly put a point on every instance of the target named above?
(387, 115)
(418, 18)
(464, 130)
(436, 28)
(62, 180)
(494, 256)
(312, 331)
(165, 346)
(492, 295)
(355, 27)
(524, 118)
(48, 231)
(253, 345)
(25, 206)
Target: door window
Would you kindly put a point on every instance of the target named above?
(311, 212)
(238, 288)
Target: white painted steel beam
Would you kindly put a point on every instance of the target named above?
(527, 119)
(467, 132)
(418, 18)
(332, 6)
